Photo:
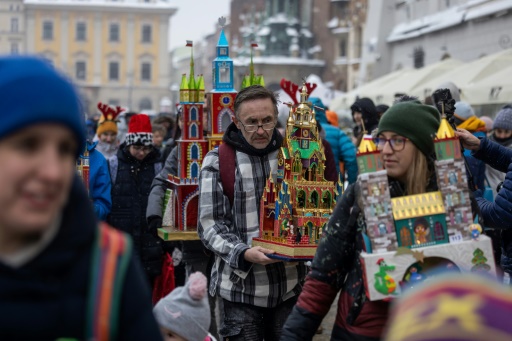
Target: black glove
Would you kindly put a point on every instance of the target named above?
(154, 223)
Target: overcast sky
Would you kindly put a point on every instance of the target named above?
(195, 19)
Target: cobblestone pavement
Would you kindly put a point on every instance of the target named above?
(327, 323)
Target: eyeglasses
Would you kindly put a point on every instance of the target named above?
(251, 128)
(397, 143)
(145, 149)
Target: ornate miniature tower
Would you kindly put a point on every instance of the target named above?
(373, 182)
(181, 210)
(296, 206)
(222, 97)
(451, 180)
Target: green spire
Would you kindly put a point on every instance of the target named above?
(261, 81)
(200, 88)
(192, 79)
(184, 91)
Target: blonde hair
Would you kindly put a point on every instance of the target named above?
(418, 174)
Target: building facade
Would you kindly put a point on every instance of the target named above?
(12, 27)
(115, 51)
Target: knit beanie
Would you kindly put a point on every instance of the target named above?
(108, 119)
(488, 122)
(185, 311)
(33, 92)
(503, 119)
(139, 131)
(463, 111)
(413, 120)
(452, 307)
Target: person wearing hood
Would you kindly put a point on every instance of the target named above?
(342, 147)
(51, 244)
(501, 134)
(465, 118)
(258, 292)
(365, 117)
(99, 181)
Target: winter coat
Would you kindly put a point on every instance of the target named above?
(342, 147)
(45, 299)
(494, 176)
(159, 185)
(337, 266)
(99, 182)
(498, 214)
(130, 191)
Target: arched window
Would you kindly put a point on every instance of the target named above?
(193, 130)
(194, 170)
(193, 114)
(194, 152)
(314, 199)
(405, 237)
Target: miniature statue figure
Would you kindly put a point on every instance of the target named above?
(476, 230)
(298, 235)
(384, 283)
(421, 231)
(382, 229)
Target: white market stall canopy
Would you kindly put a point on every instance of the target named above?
(487, 80)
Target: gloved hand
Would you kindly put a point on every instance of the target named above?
(154, 223)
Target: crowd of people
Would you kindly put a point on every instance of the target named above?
(79, 262)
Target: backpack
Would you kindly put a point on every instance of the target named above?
(227, 170)
(112, 250)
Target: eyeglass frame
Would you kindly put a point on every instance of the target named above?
(377, 143)
(145, 149)
(274, 122)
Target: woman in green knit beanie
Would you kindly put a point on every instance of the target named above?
(405, 139)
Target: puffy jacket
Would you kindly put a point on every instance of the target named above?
(342, 147)
(46, 298)
(99, 182)
(130, 191)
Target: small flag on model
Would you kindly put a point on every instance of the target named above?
(253, 44)
(189, 43)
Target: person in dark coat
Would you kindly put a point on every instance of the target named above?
(405, 143)
(497, 214)
(363, 113)
(48, 229)
(132, 170)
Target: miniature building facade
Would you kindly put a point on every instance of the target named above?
(298, 203)
(411, 232)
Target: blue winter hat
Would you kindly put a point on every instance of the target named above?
(32, 92)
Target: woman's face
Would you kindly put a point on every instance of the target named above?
(396, 161)
(358, 117)
(37, 165)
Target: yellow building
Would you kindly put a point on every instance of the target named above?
(116, 51)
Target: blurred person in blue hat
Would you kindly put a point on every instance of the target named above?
(58, 266)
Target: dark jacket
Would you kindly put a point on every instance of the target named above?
(369, 115)
(337, 266)
(46, 298)
(498, 214)
(130, 192)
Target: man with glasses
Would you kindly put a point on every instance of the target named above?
(258, 292)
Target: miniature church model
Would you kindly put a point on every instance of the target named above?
(182, 196)
(222, 97)
(298, 203)
(411, 233)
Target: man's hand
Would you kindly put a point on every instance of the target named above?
(469, 141)
(257, 255)
(154, 223)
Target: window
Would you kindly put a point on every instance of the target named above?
(113, 71)
(15, 48)
(145, 72)
(113, 34)
(343, 47)
(81, 71)
(14, 25)
(47, 30)
(146, 33)
(418, 57)
(81, 30)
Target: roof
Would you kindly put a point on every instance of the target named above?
(445, 131)
(420, 205)
(127, 5)
(367, 145)
(223, 41)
